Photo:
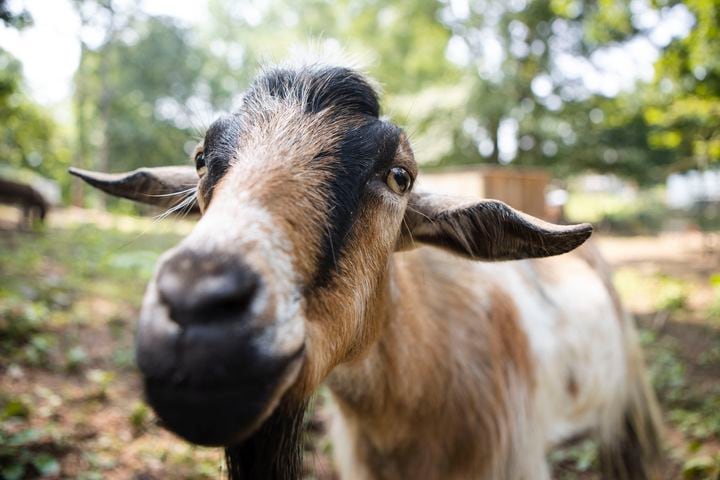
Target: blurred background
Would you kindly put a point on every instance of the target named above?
(574, 110)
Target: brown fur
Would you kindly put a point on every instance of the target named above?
(396, 399)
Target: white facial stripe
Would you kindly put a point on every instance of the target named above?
(239, 225)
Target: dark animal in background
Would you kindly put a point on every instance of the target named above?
(316, 261)
(33, 205)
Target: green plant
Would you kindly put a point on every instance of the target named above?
(702, 468)
(713, 311)
(27, 452)
(13, 408)
(672, 294)
(19, 321)
(580, 457)
(102, 379)
(75, 358)
(124, 358)
(37, 350)
(139, 418)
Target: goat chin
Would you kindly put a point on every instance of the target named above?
(225, 416)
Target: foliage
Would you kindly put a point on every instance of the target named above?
(702, 467)
(30, 138)
(558, 122)
(10, 17)
(97, 262)
(691, 406)
(645, 213)
(579, 457)
(139, 418)
(713, 310)
(146, 77)
(456, 75)
(27, 453)
(685, 101)
(133, 91)
(672, 294)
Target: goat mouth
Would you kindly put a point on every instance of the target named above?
(222, 415)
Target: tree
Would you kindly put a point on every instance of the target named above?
(401, 44)
(684, 101)
(132, 92)
(462, 80)
(30, 138)
(504, 75)
(12, 18)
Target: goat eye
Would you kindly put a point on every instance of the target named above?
(399, 180)
(200, 163)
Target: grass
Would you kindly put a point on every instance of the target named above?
(657, 292)
(70, 403)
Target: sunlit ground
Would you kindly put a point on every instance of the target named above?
(69, 394)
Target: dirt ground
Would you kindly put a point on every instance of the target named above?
(70, 402)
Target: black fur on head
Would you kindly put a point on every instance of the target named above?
(221, 141)
(339, 90)
(342, 90)
(365, 152)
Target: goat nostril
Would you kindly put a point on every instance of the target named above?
(226, 295)
(223, 293)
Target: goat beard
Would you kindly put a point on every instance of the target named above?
(275, 450)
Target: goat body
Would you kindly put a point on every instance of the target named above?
(315, 261)
(485, 366)
(32, 203)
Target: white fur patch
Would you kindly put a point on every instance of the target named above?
(238, 225)
(576, 341)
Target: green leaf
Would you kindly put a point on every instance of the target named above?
(14, 471)
(702, 467)
(139, 416)
(46, 464)
(15, 408)
(24, 437)
(75, 357)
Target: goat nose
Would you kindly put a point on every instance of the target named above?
(204, 289)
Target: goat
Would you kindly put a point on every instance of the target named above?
(315, 261)
(32, 204)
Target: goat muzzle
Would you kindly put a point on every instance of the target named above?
(207, 372)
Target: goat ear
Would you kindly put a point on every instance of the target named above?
(161, 186)
(485, 229)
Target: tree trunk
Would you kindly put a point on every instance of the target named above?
(494, 127)
(106, 97)
(77, 189)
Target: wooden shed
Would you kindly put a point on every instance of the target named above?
(522, 188)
